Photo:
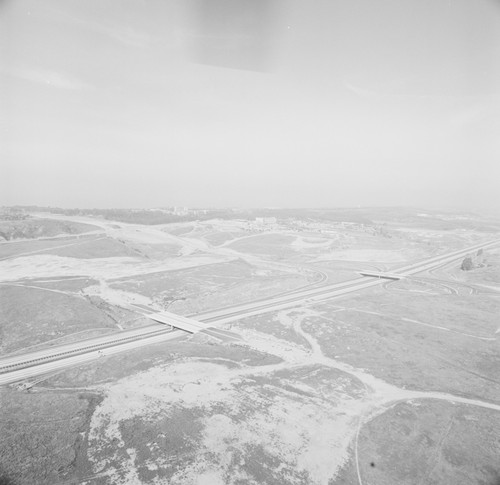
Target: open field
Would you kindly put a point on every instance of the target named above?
(32, 316)
(210, 286)
(431, 442)
(376, 335)
(393, 385)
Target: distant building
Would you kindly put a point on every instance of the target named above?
(265, 220)
(180, 210)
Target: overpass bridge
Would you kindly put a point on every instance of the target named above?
(387, 276)
(192, 326)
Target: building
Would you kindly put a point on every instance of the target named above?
(180, 211)
(265, 220)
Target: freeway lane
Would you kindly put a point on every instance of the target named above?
(82, 358)
(26, 365)
(229, 315)
(93, 343)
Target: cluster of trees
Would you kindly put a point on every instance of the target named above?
(13, 214)
(473, 261)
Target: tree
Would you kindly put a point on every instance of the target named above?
(467, 264)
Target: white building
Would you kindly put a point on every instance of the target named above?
(265, 220)
(180, 211)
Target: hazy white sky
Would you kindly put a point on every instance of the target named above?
(388, 102)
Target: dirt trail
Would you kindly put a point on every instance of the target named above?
(67, 293)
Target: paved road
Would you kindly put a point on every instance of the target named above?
(329, 291)
(23, 366)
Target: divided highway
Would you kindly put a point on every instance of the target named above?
(23, 366)
(224, 315)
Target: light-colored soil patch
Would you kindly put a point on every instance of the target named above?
(297, 426)
(375, 255)
(41, 266)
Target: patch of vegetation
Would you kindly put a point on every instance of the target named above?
(416, 356)
(42, 439)
(263, 467)
(431, 442)
(39, 246)
(13, 214)
(30, 316)
(173, 437)
(474, 261)
(37, 228)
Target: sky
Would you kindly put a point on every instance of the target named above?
(250, 103)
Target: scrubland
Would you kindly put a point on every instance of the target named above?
(393, 385)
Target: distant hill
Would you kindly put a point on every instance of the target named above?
(36, 228)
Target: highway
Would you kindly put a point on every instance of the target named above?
(330, 291)
(23, 366)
